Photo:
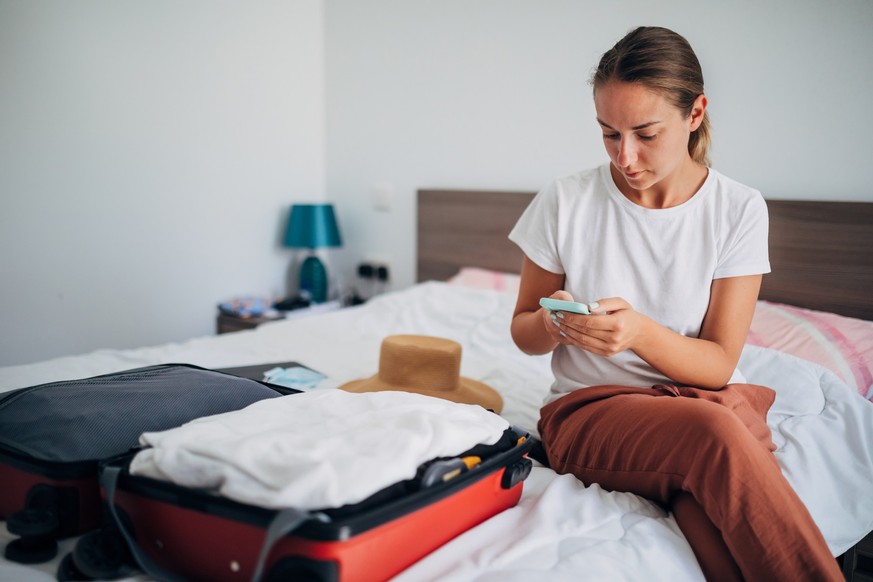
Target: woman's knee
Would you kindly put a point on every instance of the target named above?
(717, 433)
(713, 419)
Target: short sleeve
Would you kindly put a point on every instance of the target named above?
(536, 232)
(745, 250)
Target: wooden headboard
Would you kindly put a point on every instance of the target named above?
(821, 253)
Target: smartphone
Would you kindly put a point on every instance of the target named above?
(561, 305)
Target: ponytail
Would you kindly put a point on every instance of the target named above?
(698, 143)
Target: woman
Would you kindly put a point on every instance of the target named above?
(670, 253)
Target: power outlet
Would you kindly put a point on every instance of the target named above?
(373, 278)
(379, 266)
(380, 271)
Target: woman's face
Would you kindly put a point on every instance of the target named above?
(645, 135)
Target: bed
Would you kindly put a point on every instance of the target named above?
(812, 341)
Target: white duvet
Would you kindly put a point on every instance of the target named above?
(560, 529)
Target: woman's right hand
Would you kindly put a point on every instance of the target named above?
(550, 318)
(529, 330)
(613, 327)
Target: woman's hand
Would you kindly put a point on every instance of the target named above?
(528, 328)
(613, 327)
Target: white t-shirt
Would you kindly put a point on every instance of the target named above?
(662, 261)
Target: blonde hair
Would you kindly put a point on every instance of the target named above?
(663, 61)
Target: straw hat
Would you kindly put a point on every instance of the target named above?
(426, 365)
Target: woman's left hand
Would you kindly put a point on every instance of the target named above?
(613, 327)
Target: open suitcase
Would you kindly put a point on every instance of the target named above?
(52, 437)
(183, 533)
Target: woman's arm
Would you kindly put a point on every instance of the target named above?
(532, 330)
(705, 362)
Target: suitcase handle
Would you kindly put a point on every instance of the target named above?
(109, 481)
(283, 523)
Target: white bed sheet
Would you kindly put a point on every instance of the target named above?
(560, 529)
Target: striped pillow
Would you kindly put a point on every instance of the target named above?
(844, 345)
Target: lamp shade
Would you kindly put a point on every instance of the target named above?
(312, 226)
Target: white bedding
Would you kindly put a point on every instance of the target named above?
(560, 529)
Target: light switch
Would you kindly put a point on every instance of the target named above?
(383, 197)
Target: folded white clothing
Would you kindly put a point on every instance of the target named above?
(315, 450)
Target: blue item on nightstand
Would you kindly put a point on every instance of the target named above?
(247, 306)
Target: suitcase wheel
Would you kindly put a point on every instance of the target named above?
(302, 569)
(62, 501)
(37, 529)
(31, 550)
(68, 572)
(100, 554)
(29, 523)
(516, 473)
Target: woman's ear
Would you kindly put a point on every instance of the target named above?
(697, 111)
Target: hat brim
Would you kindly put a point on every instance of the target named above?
(468, 391)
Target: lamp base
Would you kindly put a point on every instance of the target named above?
(313, 279)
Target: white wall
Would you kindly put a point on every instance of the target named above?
(494, 94)
(149, 150)
(148, 154)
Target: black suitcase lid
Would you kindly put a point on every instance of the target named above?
(65, 427)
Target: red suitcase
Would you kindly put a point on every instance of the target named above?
(200, 536)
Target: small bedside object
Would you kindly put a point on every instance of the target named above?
(290, 309)
(312, 226)
(248, 306)
(291, 303)
(246, 312)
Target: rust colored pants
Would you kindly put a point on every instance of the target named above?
(705, 454)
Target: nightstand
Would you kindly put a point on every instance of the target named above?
(227, 323)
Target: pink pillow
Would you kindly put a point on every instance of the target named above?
(485, 279)
(844, 345)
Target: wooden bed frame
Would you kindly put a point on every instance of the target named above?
(821, 253)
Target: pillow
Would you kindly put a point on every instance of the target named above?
(486, 279)
(844, 345)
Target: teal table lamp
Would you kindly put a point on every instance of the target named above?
(312, 226)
